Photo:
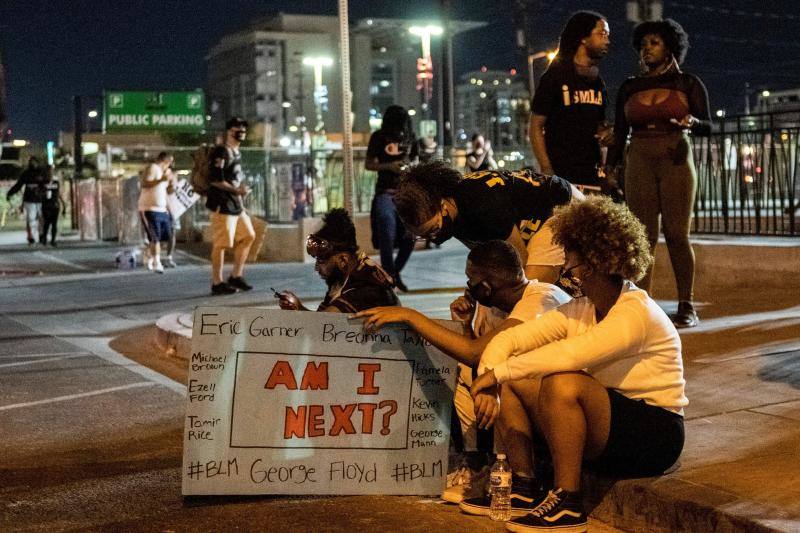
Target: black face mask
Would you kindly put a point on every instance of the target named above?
(446, 231)
(570, 283)
(481, 292)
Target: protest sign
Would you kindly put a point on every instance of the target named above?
(293, 402)
(182, 198)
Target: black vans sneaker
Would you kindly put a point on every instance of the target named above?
(239, 283)
(222, 288)
(561, 511)
(523, 500)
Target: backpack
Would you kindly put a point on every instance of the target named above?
(201, 169)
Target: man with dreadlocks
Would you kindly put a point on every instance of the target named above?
(355, 282)
(568, 109)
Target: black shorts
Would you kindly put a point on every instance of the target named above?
(644, 440)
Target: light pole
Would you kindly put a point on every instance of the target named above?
(317, 63)
(424, 63)
(550, 55)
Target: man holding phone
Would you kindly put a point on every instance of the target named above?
(230, 225)
(355, 282)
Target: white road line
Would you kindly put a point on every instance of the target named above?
(99, 346)
(21, 363)
(76, 396)
(60, 260)
(50, 354)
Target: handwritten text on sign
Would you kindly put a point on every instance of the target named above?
(288, 402)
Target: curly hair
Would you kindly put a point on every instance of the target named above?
(675, 37)
(421, 190)
(607, 236)
(338, 228)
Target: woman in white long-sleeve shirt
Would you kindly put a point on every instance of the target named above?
(600, 378)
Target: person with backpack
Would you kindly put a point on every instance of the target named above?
(231, 228)
(32, 179)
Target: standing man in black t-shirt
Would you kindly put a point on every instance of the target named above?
(230, 225)
(568, 109)
(437, 203)
(390, 150)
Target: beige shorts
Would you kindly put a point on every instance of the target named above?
(227, 230)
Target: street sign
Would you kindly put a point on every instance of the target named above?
(142, 111)
(288, 402)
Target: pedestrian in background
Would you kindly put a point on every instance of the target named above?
(390, 150)
(33, 178)
(52, 205)
(155, 179)
(231, 227)
(480, 155)
(660, 108)
(569, 105)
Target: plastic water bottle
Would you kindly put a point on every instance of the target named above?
(500, 489)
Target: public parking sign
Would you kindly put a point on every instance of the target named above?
(142, 111)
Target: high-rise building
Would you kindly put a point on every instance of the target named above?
(259, 73)
(495, 103)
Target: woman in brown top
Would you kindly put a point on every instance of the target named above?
(659, 109)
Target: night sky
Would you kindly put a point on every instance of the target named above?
(55, 49)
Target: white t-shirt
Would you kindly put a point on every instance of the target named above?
(635, 349)
(154, 198)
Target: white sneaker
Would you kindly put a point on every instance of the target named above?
(465, 483)
(150, 263)
(158, 268)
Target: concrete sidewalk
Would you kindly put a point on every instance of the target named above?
(738, 472)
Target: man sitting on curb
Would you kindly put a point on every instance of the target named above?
(498, 297)
(355, 282)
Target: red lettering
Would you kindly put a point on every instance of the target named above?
(341, 419)
(281, 374)
(315, 377)
(369, 370)
(295, 423)
(367, 416)
(315, 420)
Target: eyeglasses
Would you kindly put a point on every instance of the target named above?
(318, 248)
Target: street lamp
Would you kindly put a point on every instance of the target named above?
(424, 63)
(549, 54)
(317, 63)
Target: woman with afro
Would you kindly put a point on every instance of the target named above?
(659, 109)
(600, 378)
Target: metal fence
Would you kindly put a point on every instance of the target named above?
(747, 176)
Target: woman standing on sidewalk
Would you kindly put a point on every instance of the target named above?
(390, 150)
(659, 108)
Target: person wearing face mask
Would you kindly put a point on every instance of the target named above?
(659, 109)
(600, 378)
(355, 282)
(436, 202)
(498, 296)
(231, 228)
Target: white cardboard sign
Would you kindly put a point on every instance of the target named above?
(293, 402)
(181, 199)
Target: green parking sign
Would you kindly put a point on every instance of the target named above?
(145, 111)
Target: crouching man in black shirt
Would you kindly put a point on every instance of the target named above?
(355, 282)
(437, 203)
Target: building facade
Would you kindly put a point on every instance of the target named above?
(259, 73)
(495, 103)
